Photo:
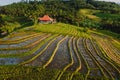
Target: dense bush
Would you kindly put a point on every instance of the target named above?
(90, 24)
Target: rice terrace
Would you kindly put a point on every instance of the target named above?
(70, 55)
(52, 40)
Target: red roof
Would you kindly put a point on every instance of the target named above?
(45, 18)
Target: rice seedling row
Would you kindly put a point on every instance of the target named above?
(110, 47)
(74, 56)
(72, 51)
(27, 44)
(20, 40)
(113, 49)
(38, 49)
(85, 54)
(78, 57)
(110, 68)
(17, 36)
(33, 52)
(20, 44)
(85, 67)
(24, 50)
(116, 45)
(63, 75)
(108, 54)
(97, 71)
(12, 72)
(97, 58)
(53, 40)
(103, 55)
(107, 50)
(78, 54)
(43, 55)
(73, 62)
(54, 52)
(93, 69)
(61, 56)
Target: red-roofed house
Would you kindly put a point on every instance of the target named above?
(46, 19)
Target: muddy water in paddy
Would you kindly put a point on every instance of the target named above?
(75, 64)
(35, 53)
(21, 44)
(12, 51)
(44, 57)
(105, 43)
(62, 56)
(86, 56)
(84, 69)
(22, 50)
(100, 52)
(17, 35)
(14, 61)
(9, 61)
(89, 60)
(108, 67)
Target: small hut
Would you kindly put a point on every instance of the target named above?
(46, 19)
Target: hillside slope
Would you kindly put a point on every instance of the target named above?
(59, 52)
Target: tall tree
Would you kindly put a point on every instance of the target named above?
(34, 11)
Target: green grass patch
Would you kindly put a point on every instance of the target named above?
(61, 28)
(89, 13)
(27, 73)
(33, 73)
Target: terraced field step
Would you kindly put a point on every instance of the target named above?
(42, 53)
(17, 36)
(107, 65)
(31, 50)
(25, 49)
(62, 57)
(72, 56)
(108, 52)
(85, 67)
(19, 39)
(101, 67)
(25, 44)
(78, 59)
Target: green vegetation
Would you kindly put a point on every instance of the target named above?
(61, 28)
(12, 23)
(84, 50)
(77, 47)
(89, 13)
(79, 60)
(110, 21)
(107, 33)
(116, 44)
(86, 13)
(108, 15)
(27, 73)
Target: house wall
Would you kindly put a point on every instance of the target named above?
(45, 22)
